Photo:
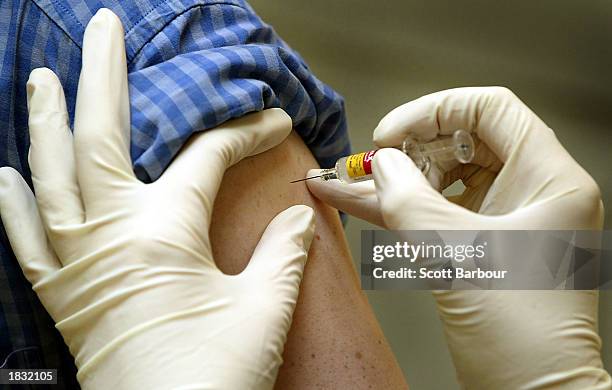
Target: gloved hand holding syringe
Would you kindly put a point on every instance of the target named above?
(520, 178)
(358, 167)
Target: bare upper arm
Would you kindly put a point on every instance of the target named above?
(335, 341)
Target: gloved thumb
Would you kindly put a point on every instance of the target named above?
(281, 253)
(408, 201)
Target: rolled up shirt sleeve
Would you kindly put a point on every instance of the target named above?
(214, 62)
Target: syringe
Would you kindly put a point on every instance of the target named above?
(358, 167)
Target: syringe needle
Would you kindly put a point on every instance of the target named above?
(308, 178)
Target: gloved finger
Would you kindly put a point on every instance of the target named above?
(477, 181)
(357, 199)
(494, 114)
(24, 228)
(196, 173)
(51, 154)
(281, 253)
(102, 120)
(402, 191)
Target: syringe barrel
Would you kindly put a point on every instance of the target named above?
(356, 167)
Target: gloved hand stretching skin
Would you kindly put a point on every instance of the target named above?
(521, 178)
(126, 269)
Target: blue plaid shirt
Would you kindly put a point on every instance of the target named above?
(192, 66)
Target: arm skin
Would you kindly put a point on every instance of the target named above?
(335, 341)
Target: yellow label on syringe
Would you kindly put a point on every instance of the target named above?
(358, 165)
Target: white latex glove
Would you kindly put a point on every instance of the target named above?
(521, 178)
(126, 269)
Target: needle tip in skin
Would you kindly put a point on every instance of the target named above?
(308, 178)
